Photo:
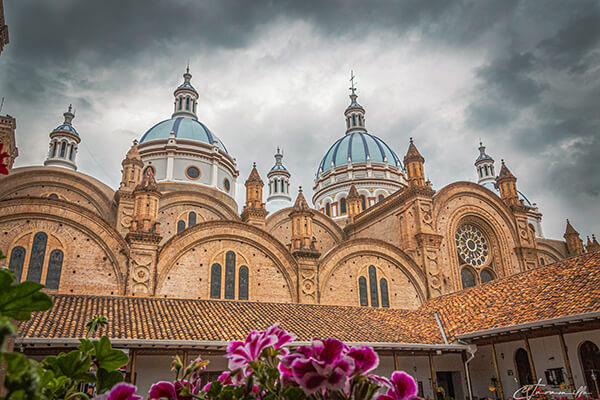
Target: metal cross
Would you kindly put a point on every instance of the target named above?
(352, 88)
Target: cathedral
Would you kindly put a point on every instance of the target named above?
(377, 241)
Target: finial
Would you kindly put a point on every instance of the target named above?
(135, 142)
(502, 161)
(352, 88)
(299, 189)
(411, 140)
(254, 164)
(187, 69)
(70, 107)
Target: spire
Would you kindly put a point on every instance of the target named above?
(301, 204)
(254, 176)
(484, 165)
(145, 210)
(355, 113)
(574, 242)
(413, 162)
(131, 174)
(506, 182)
(133, 153)
(254, 211)
(353, 202)
(505, 172)
(186, 98)
(64, 141)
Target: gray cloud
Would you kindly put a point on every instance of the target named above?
(523, 75)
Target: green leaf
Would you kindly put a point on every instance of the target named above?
(107, 357)
(215, 389)
(74, 366)
(106, 379)
(19, 300)
(86, 346)
(293, 393)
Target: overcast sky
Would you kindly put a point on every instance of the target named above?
(524, 76)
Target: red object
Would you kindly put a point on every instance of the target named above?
(3, 166)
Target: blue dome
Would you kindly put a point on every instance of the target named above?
(357, 146)
(278, 167)
(184, 128)
(65, 127)
(490, 185)
(186, 85)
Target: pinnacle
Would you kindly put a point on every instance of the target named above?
(570, 230)
(300, 203)
(353, 193)
(413, 154)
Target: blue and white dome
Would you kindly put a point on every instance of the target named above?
(184, 128)
(356, 147)
(67, 128)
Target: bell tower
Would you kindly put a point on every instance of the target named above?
(254, 211)
(64, 141)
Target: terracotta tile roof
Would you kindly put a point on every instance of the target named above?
(568, 287)
(213, 320)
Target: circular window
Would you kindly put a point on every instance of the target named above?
(472, 245)
(226, 185)
(192, 172)
(150, 168)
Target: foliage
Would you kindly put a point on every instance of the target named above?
(56, 377)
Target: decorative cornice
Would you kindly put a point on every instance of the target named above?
(305, 253)
(429, 239)
(143, 237)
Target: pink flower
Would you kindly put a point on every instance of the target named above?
(326, 368)
(162, 390)
(224, 378)
(365, 359)
(403, 387)
(121, 391)
(240, 354)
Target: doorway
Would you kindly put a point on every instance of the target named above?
(523, 367)
(589, 354)
(444, 381)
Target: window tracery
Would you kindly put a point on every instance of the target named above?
(43, 257)
(235, 282)
(376, 292)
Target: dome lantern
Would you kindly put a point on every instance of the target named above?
(355, 113)
(484, 164)
(186, 98)
(279, 185)
(64, 141)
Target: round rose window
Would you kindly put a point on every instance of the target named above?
(472, 245)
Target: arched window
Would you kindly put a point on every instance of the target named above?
(486, 275)
(380, 197)
(485, 167)
(328, 209)
(71, 152)
(373, 286)
(230, 275)
(343, 205)
(467, 277)
(215, 281)
(589, 355)
(17, 259)
(492, 169)
(180, 225)
(385, 297)
(194, 107)
(180, 102)
(353, 120)
(275, 185)
(523, 367)
(36, 261)
(359, 120)
(54, 148)
(362, 290)
(363, 202)
(347, 122)
(243, 283)
(54, 269)
(542, 261)
(53, 196)
(63, 149)
(191, 219)
(187, 103)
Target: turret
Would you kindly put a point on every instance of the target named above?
(506, 182)
(413, 162)
(574, 242)
(353, 202)
(484, 164)
(279, 185)
(131, 174)
(254, 211)
(64, 141)
(145, 208)
(186, 98)
(592, 245)
(302, 220)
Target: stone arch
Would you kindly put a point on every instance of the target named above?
(104, 253)
(465, 202)
(72, 186)
(176, 255)
(328, 233)
(340, 256)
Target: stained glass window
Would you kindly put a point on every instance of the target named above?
(191, 219)
(17, 259)
(180, 225)
(243, 283)
(363, 202)
(342, 205)
(230, 275)
(385, 299)
(380, 197)
(467, 277)
(486, 276)
(373, 286)
(362, 290)
(215, 281)
(54, 269)
(328, 209)
(472, 245)
(36, 261)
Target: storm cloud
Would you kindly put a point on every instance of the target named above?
(524, 76)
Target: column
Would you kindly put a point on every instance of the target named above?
(495, 358)
(567, 361)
